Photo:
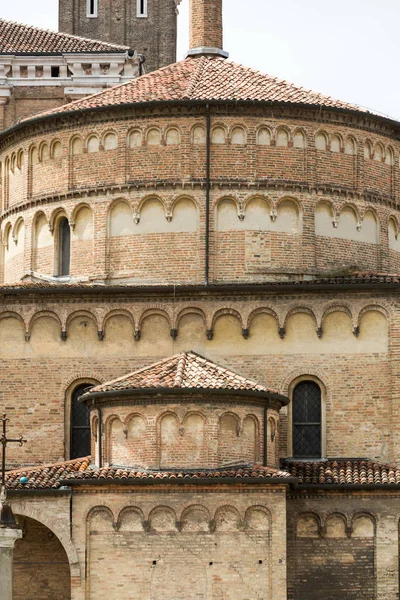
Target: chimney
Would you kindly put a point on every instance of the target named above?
(206, 28)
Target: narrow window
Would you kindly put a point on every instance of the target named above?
(92, 8)
(64, 247)
(80, 423)
(142, 8)
(307, 420)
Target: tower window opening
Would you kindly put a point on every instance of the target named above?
(142, 8)
(80, 424)
(92, 8)
(307, 420)
(64, 247)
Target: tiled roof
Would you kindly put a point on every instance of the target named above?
(342, 472)
(61, 474)
(187, 370)
(348, 280)
(46, 477)
(200, 79)
(25, 39)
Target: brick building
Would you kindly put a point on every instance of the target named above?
(148, 26)
(229, 241)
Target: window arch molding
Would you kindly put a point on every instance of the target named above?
(68, 400)
(290, 392)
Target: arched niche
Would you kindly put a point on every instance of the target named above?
(307, 527)
(135, 139)
(130, 520)
(156, 336)
(153, 137)
(172, 137)
(321, 141)
(336, 144)
(40, 559)
(369, 232)
(238, 136)
(394, 237)
(338, 331)
(76, 146)
(119, 336)
(56, 150)
(363, 527)
(347, 227)
(198, 135)
(184, 217)
(12, 337)
(374, 331)
(227, 336)
(264, 137)
(218, 135)
(46, 336)
(263, 334)
(110, 141)
(93, 144)
(118, 451)
(227, 215)
(350, 147)
(288, 220)
(323, 220)
(121, 220)
(257, 216)
(195, 519)
(301, 333)
(192, 332)
(257, 519)
(227, 518)
(299, 140)
(163, 519)
(282, 138)
(152, 217)
(82, 337)
(83, 229)
(335, 527)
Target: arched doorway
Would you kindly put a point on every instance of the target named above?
(41, 567)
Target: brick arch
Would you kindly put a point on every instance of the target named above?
(53, 524)
(305, 371)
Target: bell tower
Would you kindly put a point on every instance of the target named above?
(147, 26)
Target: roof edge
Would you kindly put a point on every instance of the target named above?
(166, 391)
(182, 481)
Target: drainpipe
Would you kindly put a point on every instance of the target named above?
(208, 189)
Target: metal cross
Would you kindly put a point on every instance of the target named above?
(4, 440)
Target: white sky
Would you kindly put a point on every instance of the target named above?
(346, 48)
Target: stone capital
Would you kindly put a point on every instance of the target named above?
(8, 537)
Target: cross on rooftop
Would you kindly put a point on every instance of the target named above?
(6, 515)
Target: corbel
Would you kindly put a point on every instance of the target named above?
(282, 332)
(241, 214)
(273, 214)
(212, 526)
(210, 334)
(174, 333)
(125, 431)
(246, 333)
(179, 525)
(64, 336)
(359, 225)
(146, 525)
(72, 224)
(356, 330)
(136, 218)
(168, 216)
(137, 335)
(335, 221)
(27, 336)
(100, 335)
(319, 332)
(181, 431)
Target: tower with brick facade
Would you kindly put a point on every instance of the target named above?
(148, 26)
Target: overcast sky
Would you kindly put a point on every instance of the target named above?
(347, 48)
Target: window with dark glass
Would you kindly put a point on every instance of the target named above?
(64, 247)
(307, 420)
(80, 423)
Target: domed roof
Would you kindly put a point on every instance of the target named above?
(203, 78)
(187, 370)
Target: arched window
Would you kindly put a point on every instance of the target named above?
(307, 420)
(64, 247)
(80, 423)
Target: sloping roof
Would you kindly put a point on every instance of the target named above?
(200, 79)
(79, 470)
(343, 472)
(19, 38)
(187, 370)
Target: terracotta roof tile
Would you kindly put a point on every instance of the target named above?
(204, 78)
(342, 472)
(47, 476)
(187, 370)
(60, 474)
(25, 39)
